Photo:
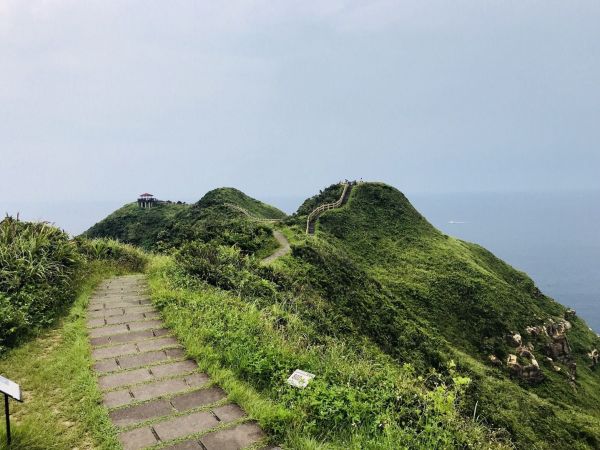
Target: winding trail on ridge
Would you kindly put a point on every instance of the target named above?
(284, 247)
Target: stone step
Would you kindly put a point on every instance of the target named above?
(154, 395)
(119, 311)
(125, 318)
(132, 336)
(134, 347)
(133, 415)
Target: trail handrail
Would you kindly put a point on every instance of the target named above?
(326, 206)
(249, 214)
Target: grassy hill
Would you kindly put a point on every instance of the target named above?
(137, 226)
(466, 302)
(169, 224)
(417, 338)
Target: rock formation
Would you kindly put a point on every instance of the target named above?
(594, 355)
(530, 371)
(559, 348)
(514, 339)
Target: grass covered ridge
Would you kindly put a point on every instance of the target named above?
(169, 225)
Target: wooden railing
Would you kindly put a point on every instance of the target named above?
(249, 214)
(312, 217)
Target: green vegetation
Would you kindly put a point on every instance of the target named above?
(62, 407)
(38, 271)
(218, 197)
(168, 225)
(429, 298)
(397, 321)
(137, 226)
(251, 340)
(45, 282)
(41, 269)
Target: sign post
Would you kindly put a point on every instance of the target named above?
(7, 412)
(13, 390)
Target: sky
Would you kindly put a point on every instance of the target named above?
(103, 100)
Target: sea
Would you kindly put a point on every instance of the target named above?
(552, 236)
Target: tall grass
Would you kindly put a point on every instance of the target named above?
(38, 276)
(41, 270)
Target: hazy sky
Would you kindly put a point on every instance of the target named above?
(106, 99)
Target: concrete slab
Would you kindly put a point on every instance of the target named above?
(137, 439)
(115, 350)
(106, 313)
(175, 353)
(124, 378)
(139, 309)
(185, 425)
(156, 344)
(130, 336)
(199, 398)
(146, 325)
(117, 398)
(159, 388)
(229, 413)
(139, 413)
(176, 368)
(97, 322)
(235, 438)
(107, 330)
(142, 359)
(196, 379)
(107, 365)
(131, 317)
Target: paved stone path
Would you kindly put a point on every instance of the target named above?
(156, 397)
(284, 247)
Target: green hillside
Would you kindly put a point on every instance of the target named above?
(417, 338)
(135, 225)
(466, 302)
(170, 224)
(221, 196)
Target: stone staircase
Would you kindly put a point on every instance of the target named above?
(314, 215)
(156, 397)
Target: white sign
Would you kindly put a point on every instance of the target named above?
(300, 378)
(10, 388)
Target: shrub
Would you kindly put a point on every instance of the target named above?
(223, 267)
(125, 256)
(38, 275)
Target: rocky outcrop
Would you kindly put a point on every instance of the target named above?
(529, 369)
(554, 344)
(514, 339)
(495, 360)
(559, 348)
(536, 331)
(570, 313)
(594, 356)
